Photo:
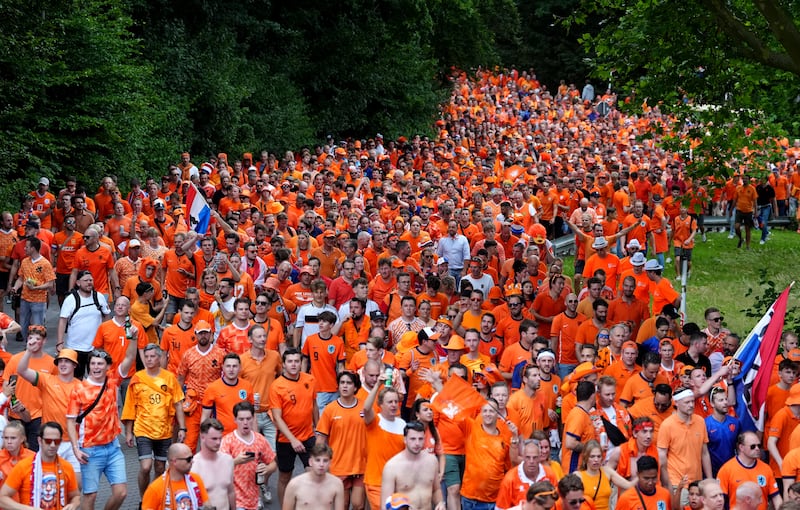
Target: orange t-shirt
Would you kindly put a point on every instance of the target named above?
(347, 436)
(384, 441)
(220, 397)
(487, 461)
(176, 283)
(746, 198)
(153, 497)
(513, 355)
(175, 341)
(532, 411)
(54, 474)
(415, 383)
(546, 306)
(631, 500)
(67, 247)
(55, 396)
(781, 426)
(323, 355)
(565, 330)
(296, 400)
(637, 388)
(113, 338)
(261, 374)
(26, 393)
(683, 443)
(733, 473)
(791, 467)
(99, 262)
(663, 295)
(578, 426)
(38, 273)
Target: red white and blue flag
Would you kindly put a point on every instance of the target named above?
(198, 212)
(757, 357)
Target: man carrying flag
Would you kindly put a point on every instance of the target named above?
(758, 350)
(198, 214)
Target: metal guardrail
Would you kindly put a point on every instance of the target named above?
(565, 245)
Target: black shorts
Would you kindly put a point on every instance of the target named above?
(744, 218)
(286, 455)
(152, 448)
(62, 284)
(699, 218)
(579, 265)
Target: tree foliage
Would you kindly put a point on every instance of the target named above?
(106, 86)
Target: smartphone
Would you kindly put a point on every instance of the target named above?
(12, 379)
(250, 454)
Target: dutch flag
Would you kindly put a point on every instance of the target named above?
(198, 212)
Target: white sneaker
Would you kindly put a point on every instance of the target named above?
(704, 238)
(668, 260)
(730, 236)
(762, 242)
(268, 496)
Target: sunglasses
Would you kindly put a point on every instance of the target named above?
(262, 303)
(573, 502)
(51, 442)
(186, 459)
(717, 319)
(753, 446)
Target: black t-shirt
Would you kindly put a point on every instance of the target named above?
(703, 362)
(765, 194)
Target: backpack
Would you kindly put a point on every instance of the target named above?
(76, 296)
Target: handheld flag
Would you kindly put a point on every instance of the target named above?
(199, 213)
(759, 350)
(456, 398)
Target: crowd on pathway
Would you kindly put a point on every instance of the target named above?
(393, 314)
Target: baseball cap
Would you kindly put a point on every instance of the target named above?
(45, 181)
(202, 326)
(134, 243)
(670, 311)
(329, 233)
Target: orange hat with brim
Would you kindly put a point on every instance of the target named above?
(579, 373)
(794, 396)
(456, 343)
(66, 354)
(407, 342)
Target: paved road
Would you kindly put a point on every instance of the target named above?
(131, 460)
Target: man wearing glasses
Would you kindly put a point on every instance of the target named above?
(747, 466)
(35, 478)
(178, 484)
(570, 489)
(716, 337)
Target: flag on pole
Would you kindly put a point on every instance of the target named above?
(758, 350)
(199, 213)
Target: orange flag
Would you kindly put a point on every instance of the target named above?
(458, 397)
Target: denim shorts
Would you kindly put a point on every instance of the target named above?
(106, 459)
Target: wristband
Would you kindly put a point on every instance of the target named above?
(182, 429)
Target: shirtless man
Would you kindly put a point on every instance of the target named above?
(413, 472)
(214, 467)
(316, 488)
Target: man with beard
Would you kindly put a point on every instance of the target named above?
(354, 330)
(529, 403)
(222, 307)
(413, 471)
(199, 367)
(79, 318)
(626, 308)
(587, 331)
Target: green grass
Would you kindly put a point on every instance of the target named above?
(722, 275)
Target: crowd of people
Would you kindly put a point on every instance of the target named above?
(337, 295)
